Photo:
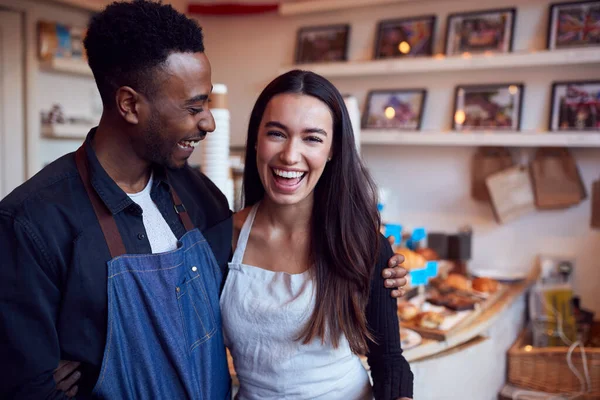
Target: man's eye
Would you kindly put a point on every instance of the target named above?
(195, 111)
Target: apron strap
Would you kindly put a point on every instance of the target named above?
(107, 222)
(180, 210)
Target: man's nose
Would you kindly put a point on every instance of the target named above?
(207, 122)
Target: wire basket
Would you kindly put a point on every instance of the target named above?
(546, 368)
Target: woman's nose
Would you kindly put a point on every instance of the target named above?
(290, 154)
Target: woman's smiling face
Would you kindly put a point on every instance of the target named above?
(293, 146)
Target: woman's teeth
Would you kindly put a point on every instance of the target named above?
(288, 174)
(187, 144)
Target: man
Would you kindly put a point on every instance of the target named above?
(114, 256)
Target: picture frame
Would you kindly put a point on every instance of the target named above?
(405, 37)
(318, 44)
(573, 25)
(55, 40)
(575, 106)
(491, 107)
(480, 31)
(394, 109)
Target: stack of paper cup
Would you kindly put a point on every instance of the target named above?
(354, 112)
(214, 148)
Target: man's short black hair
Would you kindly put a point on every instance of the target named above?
(127, 41)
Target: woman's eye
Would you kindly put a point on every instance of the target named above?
(275, 133)
(315, 139)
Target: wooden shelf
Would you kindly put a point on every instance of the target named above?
(66, 131)
(440, 63)
(506, 139)
(67, 65)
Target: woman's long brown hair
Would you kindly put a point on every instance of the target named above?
(344, 223)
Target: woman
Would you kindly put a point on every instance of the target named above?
(303, 297)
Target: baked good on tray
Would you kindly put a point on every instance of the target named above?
(458, 281)
(429, 320)
(440, 285)
(412, 260)
(457, 302)
(407, 311)
(485, 285)
(428, 253)
(436, 298)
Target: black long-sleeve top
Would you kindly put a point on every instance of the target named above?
(392, 377)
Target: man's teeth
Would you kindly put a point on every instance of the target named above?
(188, 143)
(288, 174)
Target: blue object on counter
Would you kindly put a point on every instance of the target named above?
(394, 230)
(418, 234)
(432, 268)
(421, 276)
(418, 277)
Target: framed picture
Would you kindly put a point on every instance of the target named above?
(574, 25)
(575, 106)
(406, 37)
(481, 31)
(394, 109)
(60, 41)
(322, 44)
(488, 107)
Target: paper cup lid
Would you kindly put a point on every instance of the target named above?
(219, 88)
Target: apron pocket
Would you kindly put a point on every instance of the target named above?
(196, 311)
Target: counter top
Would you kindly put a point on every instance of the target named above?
(470, 331)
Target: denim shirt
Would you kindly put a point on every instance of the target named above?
(53, 274)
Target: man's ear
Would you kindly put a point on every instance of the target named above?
(128, 104)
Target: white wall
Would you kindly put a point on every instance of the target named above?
(44, 88)
(431, 183)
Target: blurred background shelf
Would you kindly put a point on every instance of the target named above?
(67, 65)
(507, 139)
(440, 63)
(66, 131)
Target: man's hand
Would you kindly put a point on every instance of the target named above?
(65, 378)
(394, 276)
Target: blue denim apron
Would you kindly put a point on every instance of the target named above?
(164, 337)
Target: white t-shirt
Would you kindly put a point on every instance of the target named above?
(160, 235)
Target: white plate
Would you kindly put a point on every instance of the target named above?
(500, 275)
(412, 339)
